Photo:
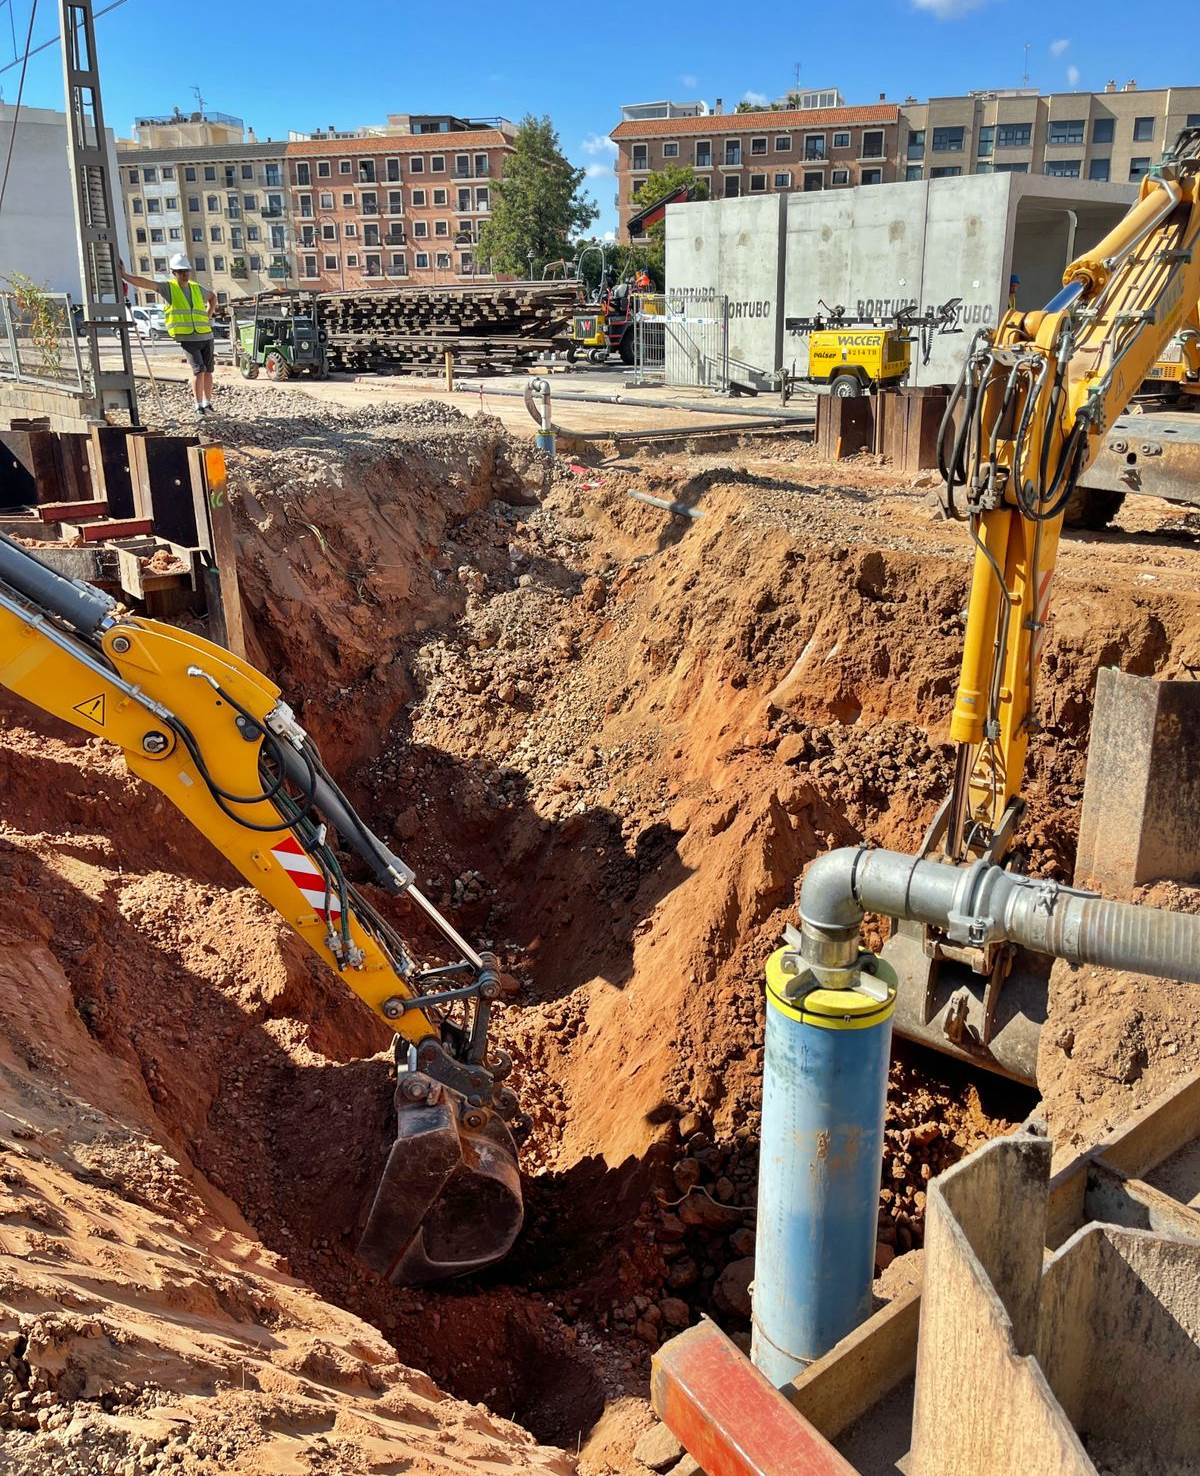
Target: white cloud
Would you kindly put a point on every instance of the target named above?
(689, 79)
(597, 143)
(947, 9)
(1073, 76)
(609, 236)
(599, 171)
(1058, 47)
(756, 99)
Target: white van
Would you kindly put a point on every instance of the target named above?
(148, 322)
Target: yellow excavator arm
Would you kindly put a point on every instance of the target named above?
(1030, 412)
(215, 736)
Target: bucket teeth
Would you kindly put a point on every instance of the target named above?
(449, 1201)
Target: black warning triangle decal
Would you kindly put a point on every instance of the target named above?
(92, 709)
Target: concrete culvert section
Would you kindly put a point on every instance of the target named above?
(610, 741)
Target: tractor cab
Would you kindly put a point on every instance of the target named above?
(278, 334)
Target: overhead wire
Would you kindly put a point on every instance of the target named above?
(53, 40)
(12, 138)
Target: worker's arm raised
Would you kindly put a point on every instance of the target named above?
(147, 284)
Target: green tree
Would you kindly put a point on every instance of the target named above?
(536, 206)
(662, 182)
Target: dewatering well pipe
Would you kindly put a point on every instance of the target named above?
(983, 904)
(537, 402)
(828, 1034)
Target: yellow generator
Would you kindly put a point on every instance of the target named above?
(856, 356)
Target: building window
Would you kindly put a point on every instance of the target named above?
(215, 233)
(947, 140)
(871, 176)
(733, 187)
(1012, 169)
(783, 143)
(249, 202)
(813, 180)
(733, 151)
(305, 205)
(814, 145)
(441, 228)
(443, 261)
(399, 264)
(330, 262)
(758, 183)
(783, 179)
(483, 199)
(671, 149)
(916, 144)
(392, 171)
(349, 230)
(197, 233)
(153, 207)
(464, 199)
(1013, 135)
(213, 202)
(252, 233)
(640, 159)
(840, 177)
(137, 206)
(418, 198)
(277, 238)
(324, 168)
(344, 166)
(420, 229)
(175, 233)
(439, 197)
(462, 166)
(140, 236)
(256, 263)
(1139, 168)
(1103, 130)
(221, 296)
(758, 146)
(374, 266)
(1065, 131)
(945, 171)
(168, 171)
(328, 232)
(308, 235)
(210, 173)
(193, 202)
(160, 263)
(189, 174)
(347, 200)
(1064, 168)
(1193, 120)
(218, 263)
(437, 164)
(156, 236)
(352, 259)
(416, 165)
(422, 260)
(872, 146)
(309, 267)
(143, 263)
(303, 174)
(150, 176)
(914, 171)
(133, 176)
(1143, 130)
(481, 166)
(704, 154)
(247, 171)
(366, 171)
(395, 202)
(200, 262)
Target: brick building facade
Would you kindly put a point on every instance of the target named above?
(380, 208)
(761, 153)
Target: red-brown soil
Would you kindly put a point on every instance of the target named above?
(610, 742)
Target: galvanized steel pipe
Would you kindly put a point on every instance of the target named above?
(983, 904)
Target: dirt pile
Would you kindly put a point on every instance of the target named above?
(611, 741)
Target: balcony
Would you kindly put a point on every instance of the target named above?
(280, 271)
(395, 238)
(237, 268)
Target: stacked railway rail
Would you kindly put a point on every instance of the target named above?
(487, 329)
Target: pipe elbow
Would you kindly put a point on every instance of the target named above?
(827, 898)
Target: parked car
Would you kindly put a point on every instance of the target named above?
(148, 322)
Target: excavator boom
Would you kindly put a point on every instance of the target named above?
(215, 736)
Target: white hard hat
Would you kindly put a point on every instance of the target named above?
(180, 263)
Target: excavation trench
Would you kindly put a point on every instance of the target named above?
(610, 746)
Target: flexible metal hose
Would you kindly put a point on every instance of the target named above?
(983, 904)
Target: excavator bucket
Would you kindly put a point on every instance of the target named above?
(449, 1201)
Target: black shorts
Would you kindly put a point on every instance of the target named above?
(199, 354)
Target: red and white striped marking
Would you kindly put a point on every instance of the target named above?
(305, 872)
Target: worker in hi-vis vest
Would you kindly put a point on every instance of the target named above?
(188, 309)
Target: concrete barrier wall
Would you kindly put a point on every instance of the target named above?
(879, 247)
(733, 248)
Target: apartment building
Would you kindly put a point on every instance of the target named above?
(401, 204)
(194, 183)
(1112, 135)
(756, 153)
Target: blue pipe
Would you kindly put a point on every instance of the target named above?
(824, 1095)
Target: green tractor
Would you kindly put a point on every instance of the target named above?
(278, 334)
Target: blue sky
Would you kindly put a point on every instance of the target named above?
(308, 63)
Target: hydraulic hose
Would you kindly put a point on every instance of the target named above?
(984, 903)
(81, 605)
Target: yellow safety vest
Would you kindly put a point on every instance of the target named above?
(187, 317)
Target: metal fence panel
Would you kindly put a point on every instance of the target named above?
(681, 339)
(39, 345)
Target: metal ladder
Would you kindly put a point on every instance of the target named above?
(95, 217)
